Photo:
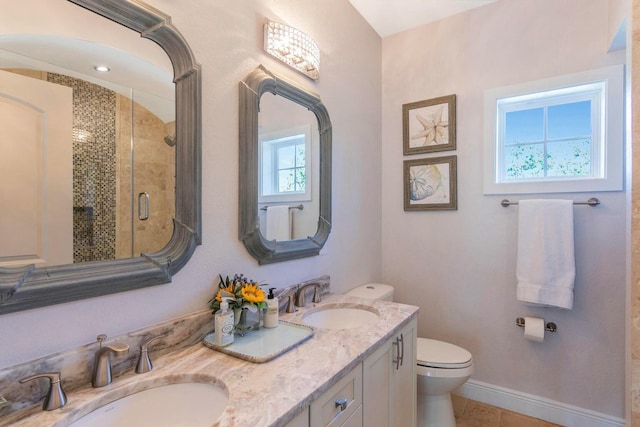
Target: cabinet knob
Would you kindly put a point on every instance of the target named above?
(341, 403)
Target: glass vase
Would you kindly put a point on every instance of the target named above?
(245, 322)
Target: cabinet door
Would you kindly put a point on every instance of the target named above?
(376, 384)
(403, 378)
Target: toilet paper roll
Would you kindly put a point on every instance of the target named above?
(534, 329)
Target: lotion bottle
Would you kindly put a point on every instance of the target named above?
(271, 314)
(224, 322)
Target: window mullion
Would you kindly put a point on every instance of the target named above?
(545, 139)
(275, 172)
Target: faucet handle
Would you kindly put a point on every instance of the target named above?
(100, 338)
(291, 307)
(55, 397)
(316, 295)
(300, 297)
(144, 363)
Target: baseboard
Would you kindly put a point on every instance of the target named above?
(536, 406)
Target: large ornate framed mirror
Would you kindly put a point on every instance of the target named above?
(302, 190)
(29, 285)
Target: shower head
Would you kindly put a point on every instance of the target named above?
(170, 140)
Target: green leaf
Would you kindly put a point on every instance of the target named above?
(225, 294)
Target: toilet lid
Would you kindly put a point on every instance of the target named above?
(439, 354)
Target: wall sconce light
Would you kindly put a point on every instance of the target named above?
(293, 47)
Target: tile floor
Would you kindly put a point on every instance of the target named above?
(470, 413)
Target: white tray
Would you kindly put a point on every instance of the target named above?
(264, 344)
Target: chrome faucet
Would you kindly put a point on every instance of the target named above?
(300, 299)
(55, 397)
(102, 375)
(144, 363)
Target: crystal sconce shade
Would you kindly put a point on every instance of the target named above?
(293, 47)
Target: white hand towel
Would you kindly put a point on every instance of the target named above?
(546, 263)
(278, 223)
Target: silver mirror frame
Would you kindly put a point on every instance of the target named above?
(24, 288)
(265, 251)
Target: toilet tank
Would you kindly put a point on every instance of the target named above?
(376, 291)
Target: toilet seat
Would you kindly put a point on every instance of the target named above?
(442, 355)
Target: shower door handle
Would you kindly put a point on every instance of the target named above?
(143, 206)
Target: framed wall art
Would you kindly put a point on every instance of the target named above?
(431, 184)
(429, 125)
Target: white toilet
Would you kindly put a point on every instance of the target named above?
(442, 367)
(377, 291)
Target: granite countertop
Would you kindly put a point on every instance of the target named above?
(260, 394)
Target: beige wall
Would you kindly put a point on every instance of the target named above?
(459, 266)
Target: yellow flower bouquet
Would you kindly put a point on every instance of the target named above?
(243, 295)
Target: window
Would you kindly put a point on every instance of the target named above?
(557, 135)
(284, 162)
(550, 134)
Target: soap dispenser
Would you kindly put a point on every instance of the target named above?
(224, 324)
(271, 314)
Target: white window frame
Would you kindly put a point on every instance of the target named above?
(607, 158)
(267, 175)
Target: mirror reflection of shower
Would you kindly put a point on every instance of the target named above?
(170, 140)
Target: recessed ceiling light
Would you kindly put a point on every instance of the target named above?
(102, 68)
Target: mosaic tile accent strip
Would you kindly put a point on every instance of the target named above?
(94, 180)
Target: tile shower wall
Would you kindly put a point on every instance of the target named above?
(94, 180)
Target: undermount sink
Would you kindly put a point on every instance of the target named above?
(182, 404)
(340, 317)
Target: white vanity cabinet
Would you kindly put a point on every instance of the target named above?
(379, 392)
(389, 382)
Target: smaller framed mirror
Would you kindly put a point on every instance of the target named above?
(266, 251)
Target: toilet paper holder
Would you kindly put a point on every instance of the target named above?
(549, 327)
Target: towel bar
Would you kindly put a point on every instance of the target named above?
(300, 206)
(549, 327)
(591, 202)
